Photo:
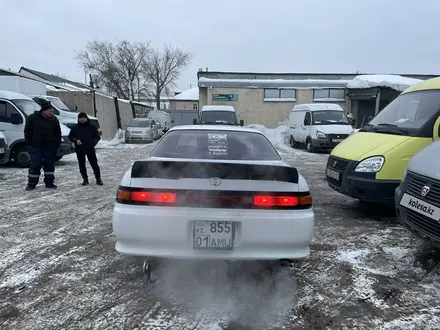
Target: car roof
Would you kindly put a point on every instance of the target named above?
(13, 95)
(218, 108)
(317, 107)
(230, 128)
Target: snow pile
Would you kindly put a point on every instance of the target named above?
(279, 136)
(188, 95)
(395, 82)
(117, 140)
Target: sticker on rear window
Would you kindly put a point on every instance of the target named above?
(218, 144)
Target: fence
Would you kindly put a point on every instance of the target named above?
(112, 113)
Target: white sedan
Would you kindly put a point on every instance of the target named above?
(213, 192)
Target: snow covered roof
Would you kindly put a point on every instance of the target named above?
(191, 94)
(273, 83)
(395, 82)
(218, 108)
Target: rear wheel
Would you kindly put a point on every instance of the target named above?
(22, 156)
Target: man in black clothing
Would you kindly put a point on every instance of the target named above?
(42, 133)
(85, 136)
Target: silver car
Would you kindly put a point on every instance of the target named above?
(417, 199)
(142, 130)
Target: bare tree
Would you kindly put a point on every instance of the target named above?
(118, 65)
(164, 67)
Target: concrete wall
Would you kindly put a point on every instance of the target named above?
(252, 108)
(105, 109)
(183, 105)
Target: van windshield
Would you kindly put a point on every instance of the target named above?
(407, 114)
(59, 104)
(218, 117)
(28, 107)
(329, 117)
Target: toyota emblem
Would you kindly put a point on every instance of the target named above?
(215, 181)
(425, 191)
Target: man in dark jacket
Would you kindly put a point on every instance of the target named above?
(42, 133)
(85, 136)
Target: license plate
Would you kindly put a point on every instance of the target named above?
(213, 235)
(421, 207)
(333, 174)
(337, 140)
(2, 150)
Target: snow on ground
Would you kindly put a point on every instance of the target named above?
(59, 269)
(396, 82)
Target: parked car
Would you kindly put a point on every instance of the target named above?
(64, 114)
(14, 109)
(213, 192)
(417, 199)
(3, 149)
(369, 164)
(141, 129)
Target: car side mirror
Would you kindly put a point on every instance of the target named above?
(241, 122)
(16, 119)
(194, 121)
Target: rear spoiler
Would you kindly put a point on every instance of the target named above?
(206, 170)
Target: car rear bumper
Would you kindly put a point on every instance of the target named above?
(168, 232)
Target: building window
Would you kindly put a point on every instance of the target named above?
(195, 106)
(329, 94)
(278, 94)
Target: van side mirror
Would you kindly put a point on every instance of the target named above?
(194, 121)
(16, 119)
(241, 122)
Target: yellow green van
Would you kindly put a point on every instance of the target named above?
(370, 163)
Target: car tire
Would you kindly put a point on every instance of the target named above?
(309, 145)
(22, 157)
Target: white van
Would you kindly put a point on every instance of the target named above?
(318, 126)
(163, 118)
(62, 111)
(218, 114)
(14, 110)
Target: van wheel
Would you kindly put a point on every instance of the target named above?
(309, 145)
(22, 157)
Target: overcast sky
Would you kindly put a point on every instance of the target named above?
(374, 36)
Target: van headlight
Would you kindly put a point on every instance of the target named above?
(370, 165)
(320, 135)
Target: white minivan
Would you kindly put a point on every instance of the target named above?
(14, 110)
(318, 126)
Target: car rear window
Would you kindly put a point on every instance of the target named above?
(204, 144)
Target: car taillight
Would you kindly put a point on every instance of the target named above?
(282, 201)
(145, 196)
